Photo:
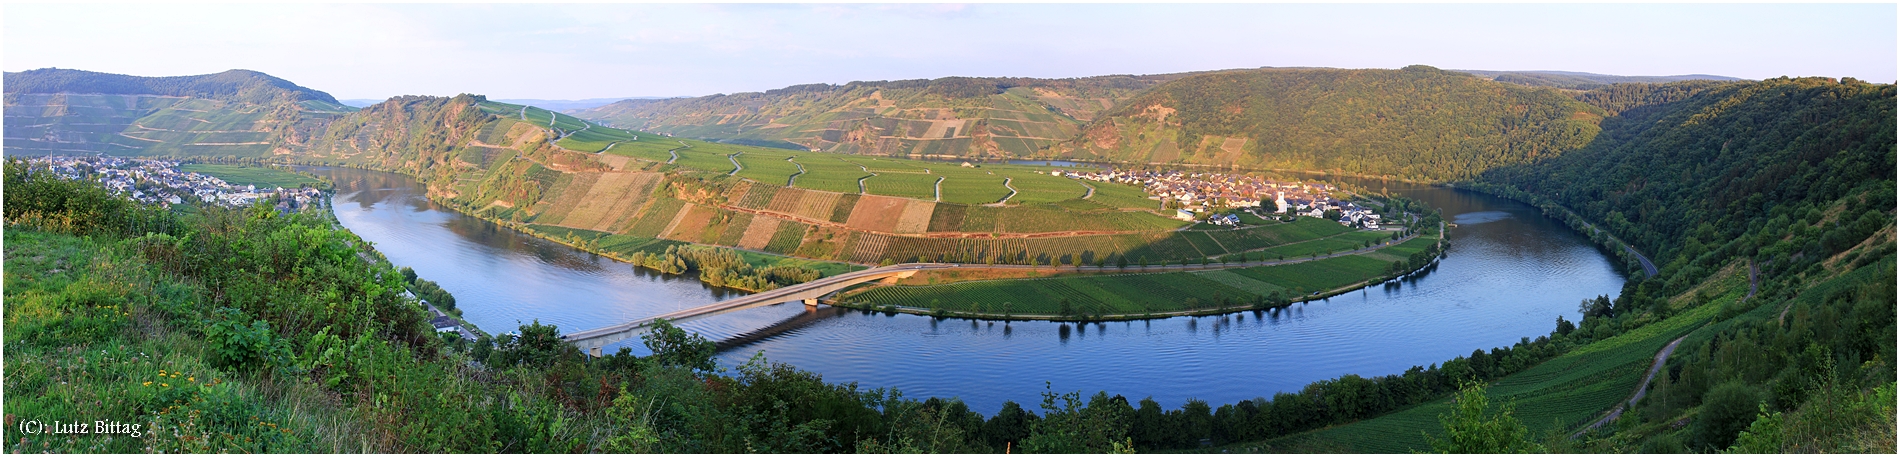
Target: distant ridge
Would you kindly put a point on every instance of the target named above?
(233, 85)
(1579, 80)
(555, 105)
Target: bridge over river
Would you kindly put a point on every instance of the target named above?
(593, 340)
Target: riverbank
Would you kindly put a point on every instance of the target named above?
(1089, 294)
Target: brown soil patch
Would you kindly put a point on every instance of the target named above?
(916, 217)
(759, 233)
(690, 223)
(616, 161)
(675, 218)
(877, 213)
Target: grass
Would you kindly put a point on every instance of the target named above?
(1122, 196)
(825, 172)
(1131, 294)
(1559, 395)
(1034, 187)
(908, 185)
(84, 344)
(239, 175)
(702, 159)
(973, 188)
(770, 167)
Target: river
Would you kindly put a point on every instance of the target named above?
(1509, 274)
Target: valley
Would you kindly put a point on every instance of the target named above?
(1748, 223)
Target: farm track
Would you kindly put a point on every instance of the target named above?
(675, 152)
(861, 180)
(1091, 192)
(794, 177)
(609, 146)
(1005, 200)
(735, 164)
(1642, 389)
(939, 185)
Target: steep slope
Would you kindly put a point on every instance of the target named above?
(1417, 123)
(955, 116)
(1770, 208)
(234, 114)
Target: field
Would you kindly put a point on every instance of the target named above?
(252, 176)
(827, 173)
(971, 187)
(770, 167)
(908, 185)
(1122, 196)
(1133, 294)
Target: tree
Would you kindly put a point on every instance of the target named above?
(672, 346)
(1727, 409)
(1470, 430)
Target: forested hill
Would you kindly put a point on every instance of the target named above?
(1733, 169)
(946, 116)
(1418, 123)
(233, 85)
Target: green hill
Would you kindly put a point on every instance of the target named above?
(1770, 207)
(954, 116)
(1416, 123)
(234, 85)
(234, 115)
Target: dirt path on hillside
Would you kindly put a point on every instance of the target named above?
(1663, 356)
(1005, 200)
(794, 177)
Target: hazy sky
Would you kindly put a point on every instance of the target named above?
(592, 50)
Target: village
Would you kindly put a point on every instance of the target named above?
(1208, 196)
(160, 182)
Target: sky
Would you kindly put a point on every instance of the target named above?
(578, 51)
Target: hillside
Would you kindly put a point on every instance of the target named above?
(1416, 123)
(629, 192)
(954, 116)
(1770, 207)
(1582, 81)
(243, 86)
(235, 114)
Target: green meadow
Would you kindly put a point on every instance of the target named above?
(240, 175)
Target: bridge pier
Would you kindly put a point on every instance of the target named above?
(811, 304)
(594, 352)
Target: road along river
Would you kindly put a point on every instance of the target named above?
(1509, 274)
